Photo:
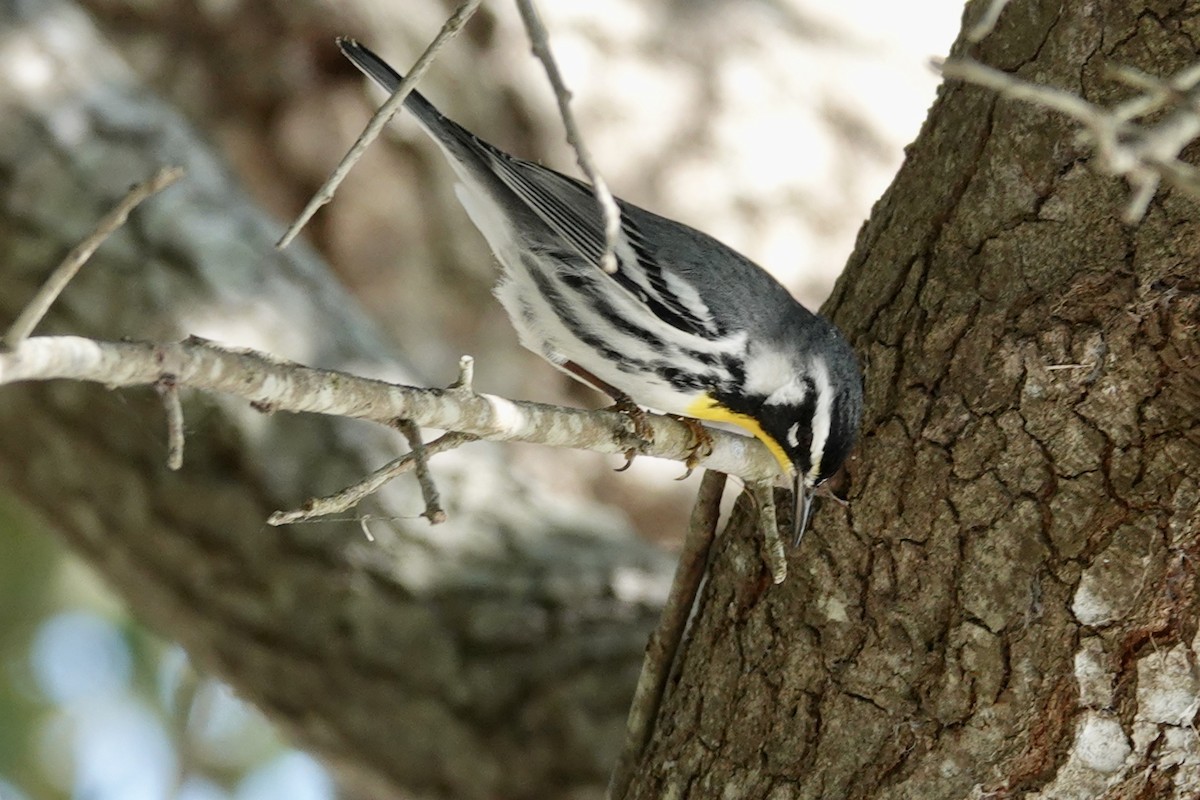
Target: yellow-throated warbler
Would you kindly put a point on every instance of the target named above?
(685, 324)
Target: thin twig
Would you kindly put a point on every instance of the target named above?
(540, 43)
(466, 375)
(350, 496)
(1144, 155)
(1156, 93)
(768, 524)
(362, 521)
(33, 312)
(980, 30)
(433, 503)
(1058, 99)
(664, 643)
(385, 113)
(168, 389)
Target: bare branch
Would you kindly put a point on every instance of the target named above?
(384, 115)
(1144, 155)
(283, 386)
(354, 494)
(33, 312)
(540, 42)
(1009, 86)
(986, 23)
(664, 642)
(433, 504)
(1156, 93)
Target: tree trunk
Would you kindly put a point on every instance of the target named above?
(1008, 605)
(492, 656)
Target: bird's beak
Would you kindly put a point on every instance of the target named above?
(804, 506)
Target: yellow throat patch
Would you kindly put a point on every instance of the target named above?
(707, 408)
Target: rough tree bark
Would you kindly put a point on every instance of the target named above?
(1008, 606)
(492, 656)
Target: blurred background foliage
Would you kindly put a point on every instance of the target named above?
(772, 124)
(92, 705)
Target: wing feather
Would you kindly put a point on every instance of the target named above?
(569, 208)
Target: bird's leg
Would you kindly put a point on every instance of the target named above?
(701, 441)
(622, 403)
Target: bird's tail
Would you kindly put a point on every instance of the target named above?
(488, 199)
(378, 70)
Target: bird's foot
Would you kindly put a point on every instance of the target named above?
(639, 424)
(700, 446)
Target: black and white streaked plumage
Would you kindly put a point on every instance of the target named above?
(685, 324)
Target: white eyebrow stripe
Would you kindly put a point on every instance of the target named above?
(823, 415)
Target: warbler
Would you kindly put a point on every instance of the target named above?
(685, 325)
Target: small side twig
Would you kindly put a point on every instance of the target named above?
(33, 312)
(1156, 93)
(768, 524)
(362, 521)
(433, 502)
(168, 389)
(664, 643)
(351, 495)
(384, 115)
(466, 375)
(539, 40)
(987, 22)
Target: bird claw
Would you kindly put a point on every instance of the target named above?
(701, 441)
(640, 428)
(824, 490)
(699, 448)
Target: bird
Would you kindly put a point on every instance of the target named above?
(684, 325)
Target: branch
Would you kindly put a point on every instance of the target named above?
(271, 384)
(987, 22)
(539, 41)
(33, 312)
(350, 496)
(664, 643)
(382, 117)
(420, 460)
(1143, 154)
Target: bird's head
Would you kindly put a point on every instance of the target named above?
(812, 422)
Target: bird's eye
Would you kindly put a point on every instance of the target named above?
(793, 435)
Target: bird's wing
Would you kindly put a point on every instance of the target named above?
(569, 208)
